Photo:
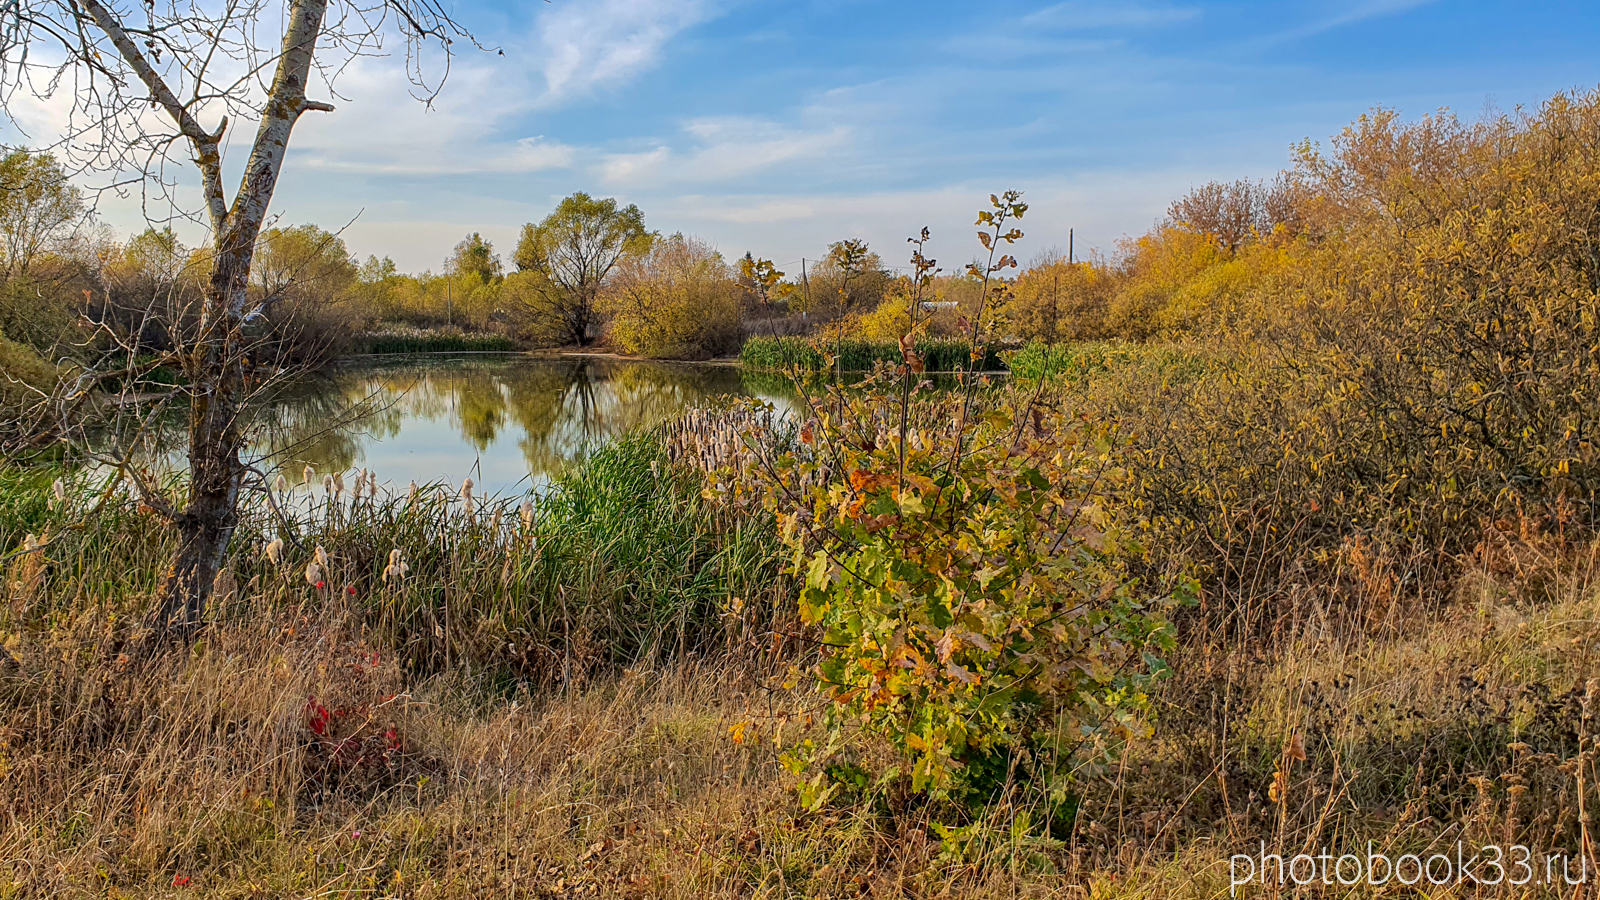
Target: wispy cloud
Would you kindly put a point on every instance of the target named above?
(725, 148)
(380, 130)
(1347, 15)
(590, 44)
(1076, 15)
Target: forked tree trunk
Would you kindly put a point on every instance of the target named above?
(214, 360)
(207, 522)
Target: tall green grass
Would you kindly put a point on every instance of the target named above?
(622, 560)
(810, 355)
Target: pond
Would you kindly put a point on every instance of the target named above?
(509, 422)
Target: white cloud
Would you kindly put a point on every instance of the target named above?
(589, 44)
(1075, 15)
(380, 129)
(1347, 14)
(626, 168)
(724, 148)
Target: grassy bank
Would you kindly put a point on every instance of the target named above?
(1075, 362)
(620, 561)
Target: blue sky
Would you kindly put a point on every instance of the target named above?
(780, 126)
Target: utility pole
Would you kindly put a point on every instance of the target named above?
(449, 306)
(1069, 246)
(1055, 289)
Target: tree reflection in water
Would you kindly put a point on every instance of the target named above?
(500, 420)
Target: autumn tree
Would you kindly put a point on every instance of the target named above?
(305, 277)
(38, 207)
(43, 266)
(566, 258)
(1236, 212)
(475, 258)
(302, 262)
(850, 279)
(677, 300)
(144, 87)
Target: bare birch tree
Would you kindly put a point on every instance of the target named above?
(151, 86)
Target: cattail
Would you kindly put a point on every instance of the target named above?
(355, 489)
(338, 483)
(411, 492)
(527, 514)
(310, 477)
(280, 484)
(372, 484)
(275, 551)
(327, 485)
(494, 521)
(321, 556)
(397, 567)
(314, 574)
(466, 494)
(31, 543)
(59, 488)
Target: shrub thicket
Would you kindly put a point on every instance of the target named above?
(678, 300)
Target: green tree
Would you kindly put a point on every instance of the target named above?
(474, 257)
(301, 263)
(567, 257)
(38, 206)
(376, 270)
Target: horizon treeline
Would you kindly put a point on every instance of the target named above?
(1228, 256)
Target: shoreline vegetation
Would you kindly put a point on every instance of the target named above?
(1281, 540)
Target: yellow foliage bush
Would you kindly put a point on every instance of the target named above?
(678, 300)
(1060, 301)
(1420, 357)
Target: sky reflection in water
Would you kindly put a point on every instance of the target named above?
(507, 422)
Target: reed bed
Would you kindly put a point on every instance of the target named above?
(785, 354)
(618, 561)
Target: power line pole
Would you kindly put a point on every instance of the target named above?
(1069, 246)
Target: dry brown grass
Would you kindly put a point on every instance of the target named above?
(201, 773)
(211, 771)
(1472, 721)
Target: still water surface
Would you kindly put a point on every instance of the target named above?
(509, 422)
